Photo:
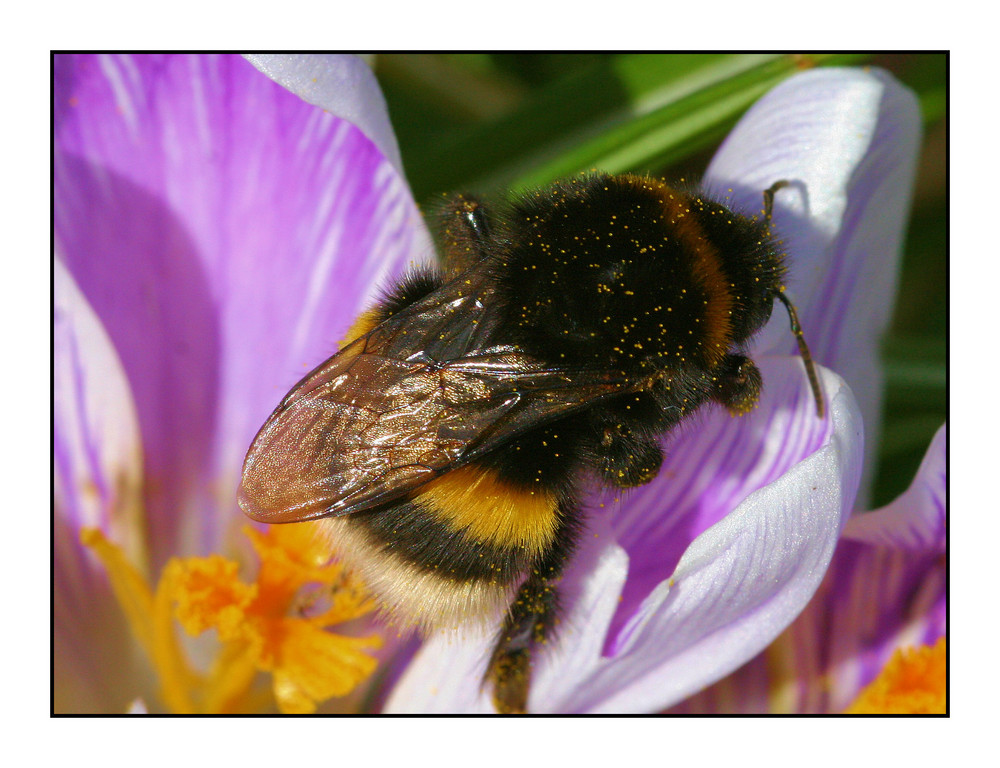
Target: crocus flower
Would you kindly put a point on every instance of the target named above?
(216, 235)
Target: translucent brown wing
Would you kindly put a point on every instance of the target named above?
(424, 392)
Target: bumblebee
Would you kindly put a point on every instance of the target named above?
(444, 443)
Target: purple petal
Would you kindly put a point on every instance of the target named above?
(713, 463)
(874, 600)
(98, 477)
(738, 584)
(878, 600)
(847, 139)
(886, 588)
(341, 84)
(225, 233)
(916, 520)
(736, 587)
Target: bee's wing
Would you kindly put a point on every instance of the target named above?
(384, 416)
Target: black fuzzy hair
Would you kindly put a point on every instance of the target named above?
(609, 271)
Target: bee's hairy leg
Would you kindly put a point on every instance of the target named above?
(737, 384)
(530, 622)
(527, 626)
(626, 451)
(465, 233)
(626, 460)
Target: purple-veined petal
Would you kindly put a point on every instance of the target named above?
(343, 85)
(886, 589)
(736, 587)
(226, 233)
(847, 141)
(98, 482)
(713, 462)
(739, 583)
(916, 519)
(874, 600)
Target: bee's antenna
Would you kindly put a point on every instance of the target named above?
(792, 314)
(804, 351)
(769, 198)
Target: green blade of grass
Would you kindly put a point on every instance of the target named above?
(624, 113)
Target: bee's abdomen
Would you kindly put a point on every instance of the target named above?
(455, 551)
(467, 525)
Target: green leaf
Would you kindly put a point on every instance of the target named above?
(628, 112)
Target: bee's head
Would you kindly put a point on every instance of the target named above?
(755, 264)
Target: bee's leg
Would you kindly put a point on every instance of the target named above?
(737, 384)
(626, 451)
(465, 233)
(625, 459)
(530, 621)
